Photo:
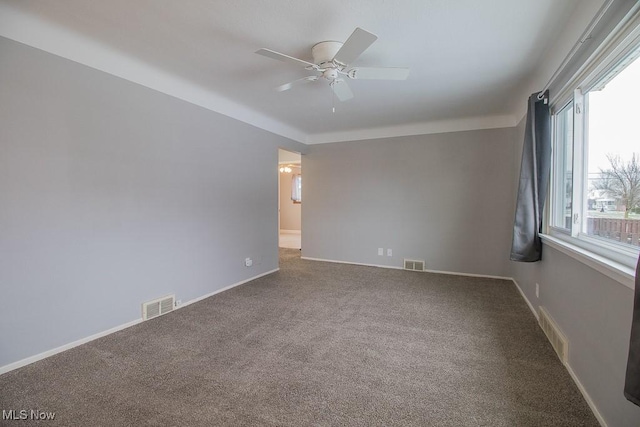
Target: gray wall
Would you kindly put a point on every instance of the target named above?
(444, 198)
(593, 311)
(112, 194)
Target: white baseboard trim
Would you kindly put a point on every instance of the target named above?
(226, 288)
(573, 375)
(524, 297)
(486, 276)
(586, 396)
(27, 361)
(290, 231)
(352, 263)
(453, 273)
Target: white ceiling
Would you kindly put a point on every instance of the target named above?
(469, 59)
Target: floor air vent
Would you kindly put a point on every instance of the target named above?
(413, 265)
(157, 307)
(551, 330)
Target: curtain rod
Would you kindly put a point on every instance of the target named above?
(586, 35)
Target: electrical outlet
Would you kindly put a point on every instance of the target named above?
(248, 262)
(537, 291)
(380, 251)
(389, 252)
(178, 302)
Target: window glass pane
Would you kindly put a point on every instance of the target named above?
(613, 155)
(296, 188)
(563, 169)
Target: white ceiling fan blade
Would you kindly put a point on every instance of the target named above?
(342, 90)
(357, 43)
(289, 85)
(286, 58)
(377, 73)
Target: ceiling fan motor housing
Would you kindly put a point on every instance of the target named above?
(324, 52)
(330, 74)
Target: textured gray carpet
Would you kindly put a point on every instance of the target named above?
(317, 344)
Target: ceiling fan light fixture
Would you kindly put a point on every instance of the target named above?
(324, 52)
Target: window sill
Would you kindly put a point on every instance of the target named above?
(621, 273)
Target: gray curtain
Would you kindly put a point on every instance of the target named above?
(534, 182)
(632, 381)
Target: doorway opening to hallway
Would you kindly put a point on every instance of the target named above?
(289, 199)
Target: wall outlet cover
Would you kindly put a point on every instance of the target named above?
(389, 252)
(380, 251)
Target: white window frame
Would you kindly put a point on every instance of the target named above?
(557, 172)
(613, 259)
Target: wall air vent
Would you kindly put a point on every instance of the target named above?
(553, 333)
(413, 265)
(158, 307)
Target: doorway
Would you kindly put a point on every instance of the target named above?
(289, 199)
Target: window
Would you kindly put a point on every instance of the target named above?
(563, 176)
(595, 194)
(296, 188)
(613, 155)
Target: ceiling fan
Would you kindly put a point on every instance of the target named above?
(331, 60)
